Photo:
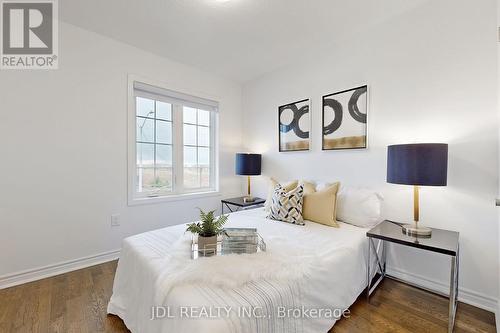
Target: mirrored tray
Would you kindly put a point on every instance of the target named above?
(235, 240)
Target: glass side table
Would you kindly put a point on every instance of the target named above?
(442, 241)
(235, 204)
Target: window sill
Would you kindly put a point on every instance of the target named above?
(171, 198)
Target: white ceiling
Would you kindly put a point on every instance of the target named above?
(237, 39)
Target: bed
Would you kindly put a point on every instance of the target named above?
(328, 274)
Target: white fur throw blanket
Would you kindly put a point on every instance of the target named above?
(282, 261)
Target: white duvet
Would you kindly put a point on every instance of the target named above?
(307, 276)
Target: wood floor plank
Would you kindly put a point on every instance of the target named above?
(408, 318)
(435, 307)
(27, 313)
(58, 298)
(397, 302)
(44, 305)
(9, 298)
(77, 302)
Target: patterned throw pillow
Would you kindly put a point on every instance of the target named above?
(287, 206)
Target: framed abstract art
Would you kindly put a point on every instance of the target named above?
(345, 119)
(294, 123)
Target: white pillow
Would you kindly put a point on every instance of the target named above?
(322, 185)
(359, 206)
(319, 184)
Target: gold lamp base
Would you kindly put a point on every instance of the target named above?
(414, 230)
(248, 197)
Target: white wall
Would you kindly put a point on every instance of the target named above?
(64, 151)
(432, 78)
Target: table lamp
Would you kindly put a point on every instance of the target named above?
(248, 165)
(420, 164)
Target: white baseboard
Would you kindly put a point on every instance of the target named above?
(464, 295)
(11, 280)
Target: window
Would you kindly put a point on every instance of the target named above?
(153, 146)
(196, 135)
(173, 143)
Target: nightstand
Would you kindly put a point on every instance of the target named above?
(238, 204)
(441, 241)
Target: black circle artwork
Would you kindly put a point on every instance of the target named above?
(353, 105)
(294, 124)
(337, 120)
(339, 112)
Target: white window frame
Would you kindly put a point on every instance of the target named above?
(178, 192)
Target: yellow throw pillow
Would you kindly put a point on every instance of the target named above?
(320, 206)
(272, 185)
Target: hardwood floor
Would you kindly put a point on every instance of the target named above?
(72, 302)
(396, 307)
(76, 302)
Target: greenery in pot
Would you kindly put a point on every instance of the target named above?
(209, 225)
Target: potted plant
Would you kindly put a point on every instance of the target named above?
(208, 229)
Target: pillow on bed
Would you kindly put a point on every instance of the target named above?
(288, 186)
(286, 205)
(320, 206)
(359, 206)
(319, 185)
(309, 187)
(322, 185)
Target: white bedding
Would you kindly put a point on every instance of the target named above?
(333, 282)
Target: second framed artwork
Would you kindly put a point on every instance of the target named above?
(344, 119)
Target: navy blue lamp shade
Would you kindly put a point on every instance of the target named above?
(248, 164)
(418, 164)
